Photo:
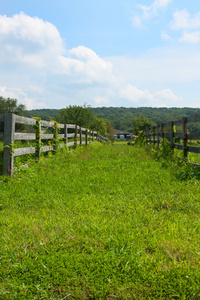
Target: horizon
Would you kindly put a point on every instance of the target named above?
(104, 53)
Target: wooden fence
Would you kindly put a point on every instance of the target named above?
(68, 134)
(181, 140)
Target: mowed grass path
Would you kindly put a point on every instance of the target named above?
(107, 222)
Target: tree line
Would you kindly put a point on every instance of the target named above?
(105, 119)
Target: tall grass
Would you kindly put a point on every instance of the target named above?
(106, 222)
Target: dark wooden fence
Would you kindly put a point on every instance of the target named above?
(182, 140)
(58, 135)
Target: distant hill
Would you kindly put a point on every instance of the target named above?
(121, 117)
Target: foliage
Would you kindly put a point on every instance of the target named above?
(140, 123)
(80, 115)
(99, 125)
(110, 131)
(10, 105)
(127, 230)
(140, 139)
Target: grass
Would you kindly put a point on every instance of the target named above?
(106, 222)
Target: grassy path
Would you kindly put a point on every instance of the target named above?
(107, 222)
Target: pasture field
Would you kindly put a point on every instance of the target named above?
(102, 222)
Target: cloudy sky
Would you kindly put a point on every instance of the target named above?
(128, 53)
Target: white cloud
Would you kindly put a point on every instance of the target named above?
(147, 98)
(190, 37)
(184, 20)
(85, 66)
(21, 96)
(166, 37)
(149, 12)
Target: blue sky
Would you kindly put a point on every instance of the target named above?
(100, 52)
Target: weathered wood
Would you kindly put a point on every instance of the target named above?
(195, 118)
(61, 136)
(86, 138)
(24, 136)
(47, 124)
(193, 136)
(70, 144)
(71, 126)
(8, 157)
(76, 135)
(83, 142)
(46, 148)
(71, 135)
(185, 141)
(22, 151)
(80, 135)
(24, 120)
(194, 149)
(2, 117)
(1, 136)
(61, 125)
(46, 136)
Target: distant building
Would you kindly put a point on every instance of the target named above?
(122, 135)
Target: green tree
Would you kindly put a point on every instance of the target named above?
(80, 115)
(140, 123)
(10, 105)
(99, 125)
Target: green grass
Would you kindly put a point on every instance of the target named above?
(106, 222)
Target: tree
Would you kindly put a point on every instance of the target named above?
(110, 131)
(140, 123)
(10, 105)
(80, 115)
(99, 125)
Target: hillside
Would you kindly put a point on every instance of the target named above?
(121, 117)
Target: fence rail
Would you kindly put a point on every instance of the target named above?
(179, 140)
(70, 135)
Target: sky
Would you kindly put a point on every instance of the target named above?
(128, 53)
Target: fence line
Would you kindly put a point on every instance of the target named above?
(69, 135)
(179, 140)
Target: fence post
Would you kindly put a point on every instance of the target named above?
(8, 157)
(158, 136)
(76, 133)
(56, 135)
(80, 129)
(86, 138)
(93, 136)
(172, 133)
(38, 138)
(185, 141)
(65, 133)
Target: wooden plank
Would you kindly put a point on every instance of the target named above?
(24, 136)
(71, 126)
(1, 136)
(185, 141)
(194, 149)
(195, 118)
(83, 135)
(24, 120)
(78, 143)
(47, 136)
(47, 124)
(61, 136)
(70, 144)
(22, 151)
(178, 146)
(70, 135)
(83, 129)
(61, 125)
(193, 136)
(46, 148)
(2, 117)
(8, 157)
(83, 142)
